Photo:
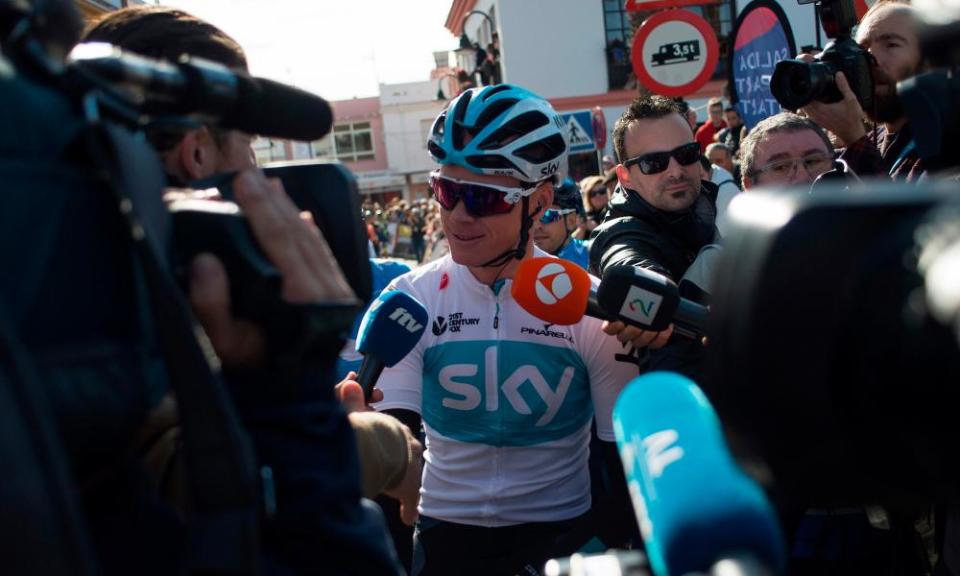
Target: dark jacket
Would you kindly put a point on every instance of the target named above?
(637, 234)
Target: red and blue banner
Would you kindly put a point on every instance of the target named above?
(761, 38)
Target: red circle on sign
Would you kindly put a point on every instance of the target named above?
(654, 22)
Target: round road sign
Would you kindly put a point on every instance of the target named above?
(674, 52)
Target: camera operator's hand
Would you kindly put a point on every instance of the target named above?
(843, 118)
(638, 337)
(293, 244)
(407, 492)
(350, 394)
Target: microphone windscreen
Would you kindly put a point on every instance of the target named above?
(638, 296)
(393, 325)
(694, 505)
(552, 289)
(274, 109)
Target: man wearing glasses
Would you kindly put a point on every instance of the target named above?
(506, 400)
(660, 215)
(552, 232)
(785, 150)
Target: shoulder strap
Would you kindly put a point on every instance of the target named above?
(221, 472)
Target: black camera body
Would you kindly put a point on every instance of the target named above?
(796, 83)
(325, 189)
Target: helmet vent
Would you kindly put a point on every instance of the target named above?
(543, 150)
(523, 124)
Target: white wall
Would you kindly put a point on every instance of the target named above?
(801, 21)
(408, 110)
(553, 47)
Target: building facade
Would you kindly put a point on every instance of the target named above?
(409, 110)
(576, 53)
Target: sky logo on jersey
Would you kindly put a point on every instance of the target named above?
(641, 305)
(505, 393)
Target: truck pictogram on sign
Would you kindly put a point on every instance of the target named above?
(675, 52)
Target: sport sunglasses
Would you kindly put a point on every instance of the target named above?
(552, 215)
(656, 162)
(479, 199)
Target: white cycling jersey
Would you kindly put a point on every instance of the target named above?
(506, 401)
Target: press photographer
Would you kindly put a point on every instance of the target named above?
(98, 332)
(849, 82)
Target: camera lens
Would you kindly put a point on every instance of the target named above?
(793, 83)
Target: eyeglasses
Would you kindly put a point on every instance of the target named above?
(657, 162)
(597, 192)
(553, 214)
(814, 164)
(479, 199)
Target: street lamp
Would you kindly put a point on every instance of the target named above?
(472, 57)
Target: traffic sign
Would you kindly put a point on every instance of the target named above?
(578, 127)
(599, 128)
(675, 53)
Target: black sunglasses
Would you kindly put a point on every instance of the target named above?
(656, 162)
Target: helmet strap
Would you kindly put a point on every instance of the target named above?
(526, 221)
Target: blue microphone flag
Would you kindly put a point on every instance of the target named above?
(392, 326)
(694, 505)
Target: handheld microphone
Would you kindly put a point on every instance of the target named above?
(215, 93)
(650, 301)
(696, 509)
(556, 291)
(391, 328)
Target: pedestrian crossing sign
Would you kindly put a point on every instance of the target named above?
(578, 128)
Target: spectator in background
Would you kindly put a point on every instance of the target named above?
(714, 124)
(735, 130)
(592, 187)
(595, 195)
(720, 155)
(553, 230)
(785, 150)
(726, 189)
(687, 112)
(418, 227)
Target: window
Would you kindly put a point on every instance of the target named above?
(347, 143)
(721, 17)
(619, 25)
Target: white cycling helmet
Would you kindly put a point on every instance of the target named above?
(513, 132)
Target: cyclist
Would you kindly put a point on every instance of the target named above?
(506, 400)
(552, 232)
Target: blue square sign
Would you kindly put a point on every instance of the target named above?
(578, 128)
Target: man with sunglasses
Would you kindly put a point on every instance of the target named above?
(552, 232)
(506, 400)
(660, 215)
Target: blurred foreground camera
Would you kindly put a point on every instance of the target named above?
(833, 354)
(796, 83)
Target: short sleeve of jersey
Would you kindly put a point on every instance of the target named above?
(402, 383)
(610, 367)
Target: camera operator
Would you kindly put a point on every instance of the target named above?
(315, 463)
(888, 31)
(660, 216)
